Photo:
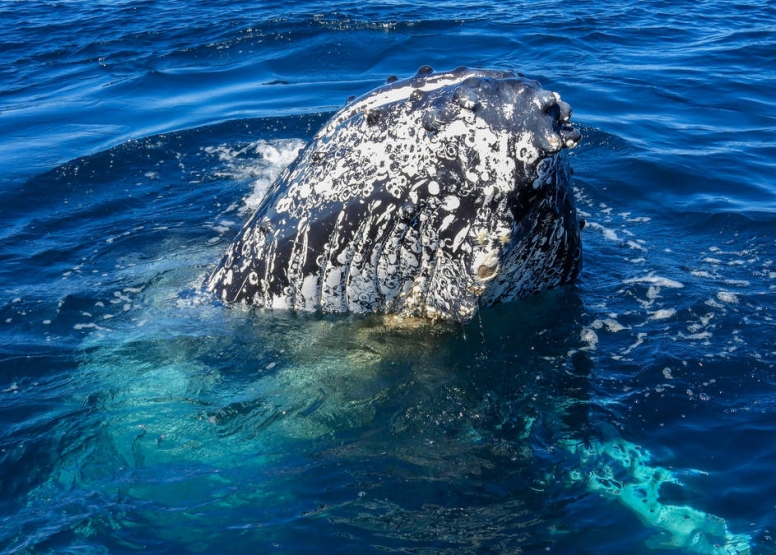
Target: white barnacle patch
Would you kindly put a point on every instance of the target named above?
(450, 203)
(333, 277)
(457, 128)
(391, 95)
(284, 204)
(304, 190)
(433, 188)
(489, 194)
(525, 150)
(449, 219)
(503, 166)
(459, 238)
(485, 265)
(554, 142)
(480, 235)
(411, 169)
(397, 185)
(310, 291)
(508, 110)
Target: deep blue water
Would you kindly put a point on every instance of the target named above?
(138, 415)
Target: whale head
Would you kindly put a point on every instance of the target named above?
(430, 196)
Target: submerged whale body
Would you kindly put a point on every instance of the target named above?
(430, 197)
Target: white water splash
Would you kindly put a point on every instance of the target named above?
(262, 160)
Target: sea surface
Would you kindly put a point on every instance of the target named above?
(632, 411)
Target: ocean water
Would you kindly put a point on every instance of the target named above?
(630, 412)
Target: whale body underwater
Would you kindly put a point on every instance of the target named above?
(427, 197)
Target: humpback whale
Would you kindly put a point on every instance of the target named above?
(427, 197)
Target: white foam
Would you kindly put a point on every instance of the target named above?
(653, 292)
(663, 314)
(611, 325)
(89, 325)
(697, 336)
(587, 335)
(636, 245)
(639, 340)
(275, 157)
(609, 234)
(655, 280)
(260, 160)
(727, 297)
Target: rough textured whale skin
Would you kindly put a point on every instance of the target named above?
(426, 197)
